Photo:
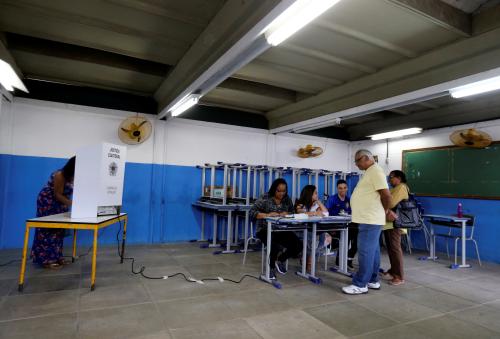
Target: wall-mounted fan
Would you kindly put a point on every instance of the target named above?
(470, 138)
(135, 130)
(309, 151)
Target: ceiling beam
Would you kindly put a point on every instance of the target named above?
(486, 20)
(231, 32)
(259, 89)
(399, 111)
(427, 104)
(165, 9)
(309, 52)
(298, 72)
(439, 13)
(46, 19)
(455, 114)
(61, 50)
(450, 63)
(212, 103)
(363, 37)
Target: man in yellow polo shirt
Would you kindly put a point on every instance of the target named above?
(370, 203)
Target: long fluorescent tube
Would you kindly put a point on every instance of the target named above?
(395, 134)
(483, 86)
(184, 104)
(294, 18)
(9, 78)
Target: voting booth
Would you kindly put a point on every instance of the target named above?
(98, 182)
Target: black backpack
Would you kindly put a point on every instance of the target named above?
(408, 212)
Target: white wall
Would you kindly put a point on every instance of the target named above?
(6, 117)
(49, 129)
(431, 138)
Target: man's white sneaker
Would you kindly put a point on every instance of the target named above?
(353, 289)
(374, 286)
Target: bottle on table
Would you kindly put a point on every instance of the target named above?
(460, 211)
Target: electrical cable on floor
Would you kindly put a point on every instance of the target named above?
(9, 262)
(142, 270)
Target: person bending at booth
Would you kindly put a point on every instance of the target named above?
(309, 203)
(340, 204)
(284, 245)
(392, 236)
(54, 198)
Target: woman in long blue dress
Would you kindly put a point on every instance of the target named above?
(54, 198)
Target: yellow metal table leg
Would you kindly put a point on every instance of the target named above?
(74, 246)
(23, 262)
(123, 239)
(94, 256)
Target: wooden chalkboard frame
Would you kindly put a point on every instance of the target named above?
(467, 196)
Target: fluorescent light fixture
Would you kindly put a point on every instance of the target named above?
(9, 78)
(488, 85)
(395, 134)
(294, 18)
(184, 104)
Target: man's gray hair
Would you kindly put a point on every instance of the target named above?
(364, 152)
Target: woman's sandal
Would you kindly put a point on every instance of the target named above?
(53, 266)
(396, 282)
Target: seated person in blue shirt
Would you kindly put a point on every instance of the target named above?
(284, 245)
(339, 204)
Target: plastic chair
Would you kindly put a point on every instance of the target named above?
(452, 233)
(254, 240)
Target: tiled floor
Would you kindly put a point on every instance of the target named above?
(436, 302)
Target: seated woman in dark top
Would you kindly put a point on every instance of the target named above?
(284, 245)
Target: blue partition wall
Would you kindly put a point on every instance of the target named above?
(158, 200)
(486, 233)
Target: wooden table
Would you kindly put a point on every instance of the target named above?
(63, 220)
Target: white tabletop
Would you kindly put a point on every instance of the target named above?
(312, 219)
(65, 218)
(443, 216)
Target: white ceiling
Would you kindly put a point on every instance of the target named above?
(358, 52)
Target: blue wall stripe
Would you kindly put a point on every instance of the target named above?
(158, 200)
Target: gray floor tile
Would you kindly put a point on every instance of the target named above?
(309, 295)
(423, 278)
(112, 296)
(251, 303)
(464, 290)
(188, 260)
(453, 274)
(451, 327)
(194, 311)
(434, 299)
(349, 318)
(111, 279)
(7, 285)
(32, 305)
(56, 326)
(399, 331)
(49, 284)
(291, 324)
(230, 329)
(395, 308)
(136, 321)
(484, 315)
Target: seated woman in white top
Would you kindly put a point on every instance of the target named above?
(309, 203)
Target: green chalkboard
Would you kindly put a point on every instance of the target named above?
(454, 171)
